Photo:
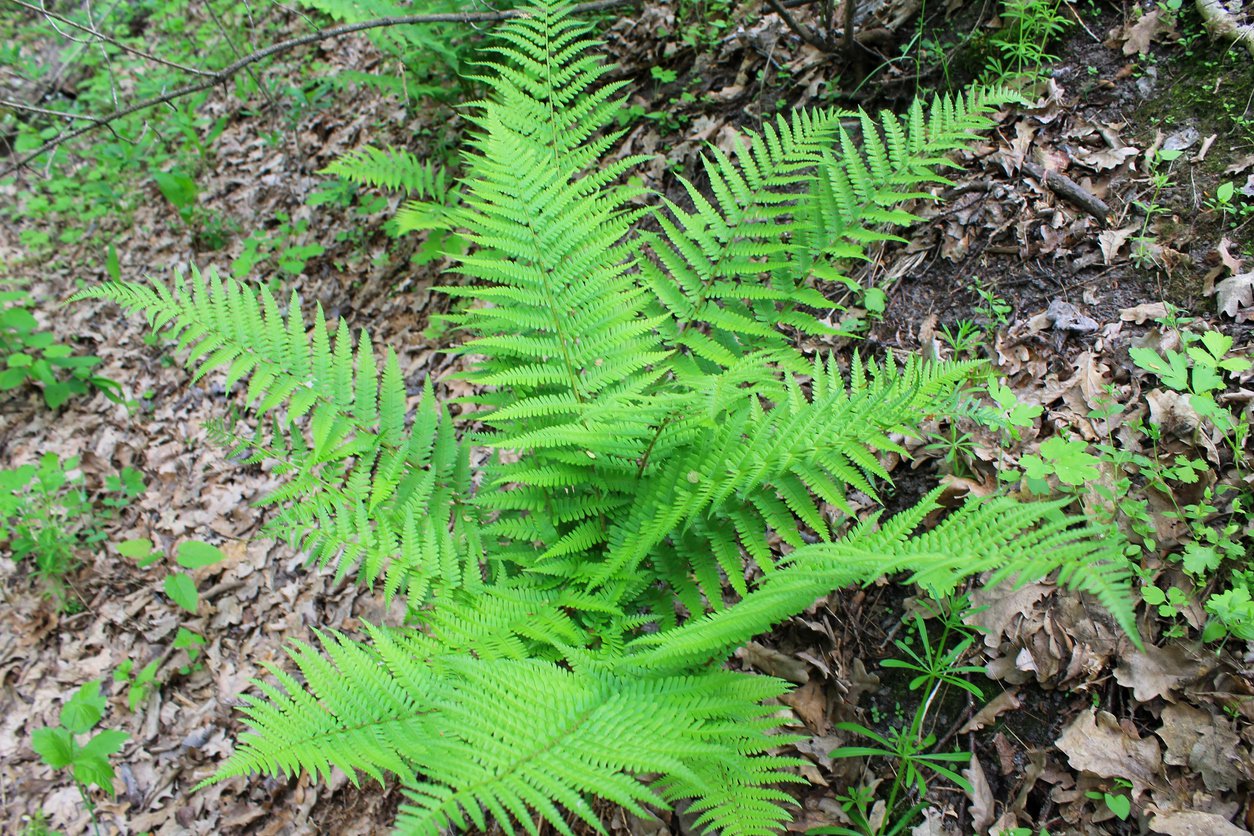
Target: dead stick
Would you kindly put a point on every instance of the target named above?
(1070, 190)
(801, 29)
(226, 72)
(103, 37)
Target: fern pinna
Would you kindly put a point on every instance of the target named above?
(671, 476)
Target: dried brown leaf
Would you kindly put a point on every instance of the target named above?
(1005, 701)
(1156, 671)
(1194, 823)
(1095, 742)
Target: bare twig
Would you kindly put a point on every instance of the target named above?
(805, 32)
(45, 111)
(219, 76)
(103, 37)
(1070, 190)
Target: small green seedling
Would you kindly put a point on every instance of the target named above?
(1118, 803)
(1066, 459)
(141, 685)
(88, 762)
(30, 355)
(180, 587)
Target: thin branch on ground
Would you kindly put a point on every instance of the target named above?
(804, 32)
(1221, 23)
(219, 76)
(103, 37)
(61, 114)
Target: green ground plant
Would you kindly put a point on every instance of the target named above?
(48, 517)
(180, 588)
(32, 356)
(88, 762)
(430, 62)
(83, 193)
(668, 474)
(1028, 27)
(935, 666)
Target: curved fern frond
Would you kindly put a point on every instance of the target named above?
(755, 472)
(1014, 539)
(357, 472)
(516, 739)
(746, 263)
(394, 169)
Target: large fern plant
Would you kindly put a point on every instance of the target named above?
(669, 476)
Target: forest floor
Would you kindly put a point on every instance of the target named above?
(1070, 727)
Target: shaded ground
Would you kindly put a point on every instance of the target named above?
(1068, 706)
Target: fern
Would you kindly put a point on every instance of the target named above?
(667, 477)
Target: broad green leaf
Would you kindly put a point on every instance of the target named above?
(105, 743)
(93, 769)
(54, 746)
(140, 550)
(84, 709)
(193, 554)
(182, 591)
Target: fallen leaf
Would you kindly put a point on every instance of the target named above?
(1095, 742)
(1232, 262)
(1216, 755)
(1105, 158)
(810, 703)
(1182, 728)
(774, 663)
(1234, 293)
(1156, 671)
(981, 796)
(1171, 412)
(1137, 37)
(1240, 165)
(1194, 823)
(1112, 240)
(998, 705)
(1000, 607)
(1141, 313)
(933, 824)
(1065, 316)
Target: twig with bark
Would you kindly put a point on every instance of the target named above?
(1223, 24)
(212, 78)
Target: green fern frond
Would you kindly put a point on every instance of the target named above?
(745, 264)
(356, 480)
(394, 169)
(752, 471)
(667, 477)
(516, 739)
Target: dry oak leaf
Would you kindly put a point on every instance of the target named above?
(998, 705)
(1234, 293)
(1194, 823)
(1112, 240)
(1182, 727)
(1156, 671)
(981, 796)
(1139, 314)
(1095, 742)
(1218, 755)
(1137, 37)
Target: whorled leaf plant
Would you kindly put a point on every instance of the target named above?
(670, 474)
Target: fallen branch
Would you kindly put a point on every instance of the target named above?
(1222, 24)
(219, 76)
(101, 36)
(1071, 191)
